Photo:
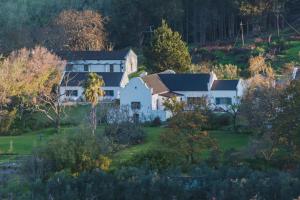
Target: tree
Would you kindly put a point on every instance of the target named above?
(257, 65)
(93, 93)
(260, 103)
(234, 111)
(174, 106)
(78, 30)
(227, 71)
(287, 123)
(186, 135)
(29, 82)
(167, 51)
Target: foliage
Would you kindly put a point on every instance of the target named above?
(156, 122)
(259, 105)
(136, 27)
(156, 159)
(202, 182)
(219, 120)
(77, 30)
(29, 82)
(93, 93)
(77, 153)
(174, 106)
(124, 134)
(6, 120)
(226, 72)
(167, 51)
(186, 136)
(257, 66)
(288, 119)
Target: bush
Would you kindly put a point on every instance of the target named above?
(6, 121)
(202, 183)
(156, 122)
(220, 120)
(156, 159)
(75, 153)
(125, 133)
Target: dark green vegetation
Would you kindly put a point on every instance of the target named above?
(167, 51)
(131, 22)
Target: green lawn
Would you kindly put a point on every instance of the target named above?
(13, 146)
(225, 139)
(23, 144)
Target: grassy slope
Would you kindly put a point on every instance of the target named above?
(23, 144)
(226, 141)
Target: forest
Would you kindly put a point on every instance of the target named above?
(26, 23)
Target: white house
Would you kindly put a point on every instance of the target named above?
(71, 87)
(296, 73)
(145, 96)
(100, 61)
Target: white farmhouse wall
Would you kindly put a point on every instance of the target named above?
(131, 62)
(137, 91)
(81, 93)
(98, 65)
(223, 94)
(187, 94)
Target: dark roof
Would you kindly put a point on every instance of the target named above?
(170, 94)
(153, 81)
(225, 85)
(93, 55)
(185, 82)
(298, 74)
(79, 78)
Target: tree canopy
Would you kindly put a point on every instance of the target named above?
(167, 51)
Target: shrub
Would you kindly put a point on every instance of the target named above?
(6, 120)
(125, 133)
(220, 120)
(156, 122)
(75, 153)
(156, 159)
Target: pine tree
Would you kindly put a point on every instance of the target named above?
(167, 51)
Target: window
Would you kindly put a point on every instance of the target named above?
(69, 68)
(195, 100)
(135, 105)
(111, 68)
(86, 68)
(109, 93)
(71, 93)
(223, 101)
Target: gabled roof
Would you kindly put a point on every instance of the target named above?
(225, 85)
(93, 55)
(185, 82)
(73, 79)
(153, 81)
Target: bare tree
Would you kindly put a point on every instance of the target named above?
(78, 30)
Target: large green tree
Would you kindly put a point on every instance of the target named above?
(93, 93)
(167, 51)
(186, 135)
(287, 123)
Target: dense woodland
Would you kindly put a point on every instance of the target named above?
(25, 23)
